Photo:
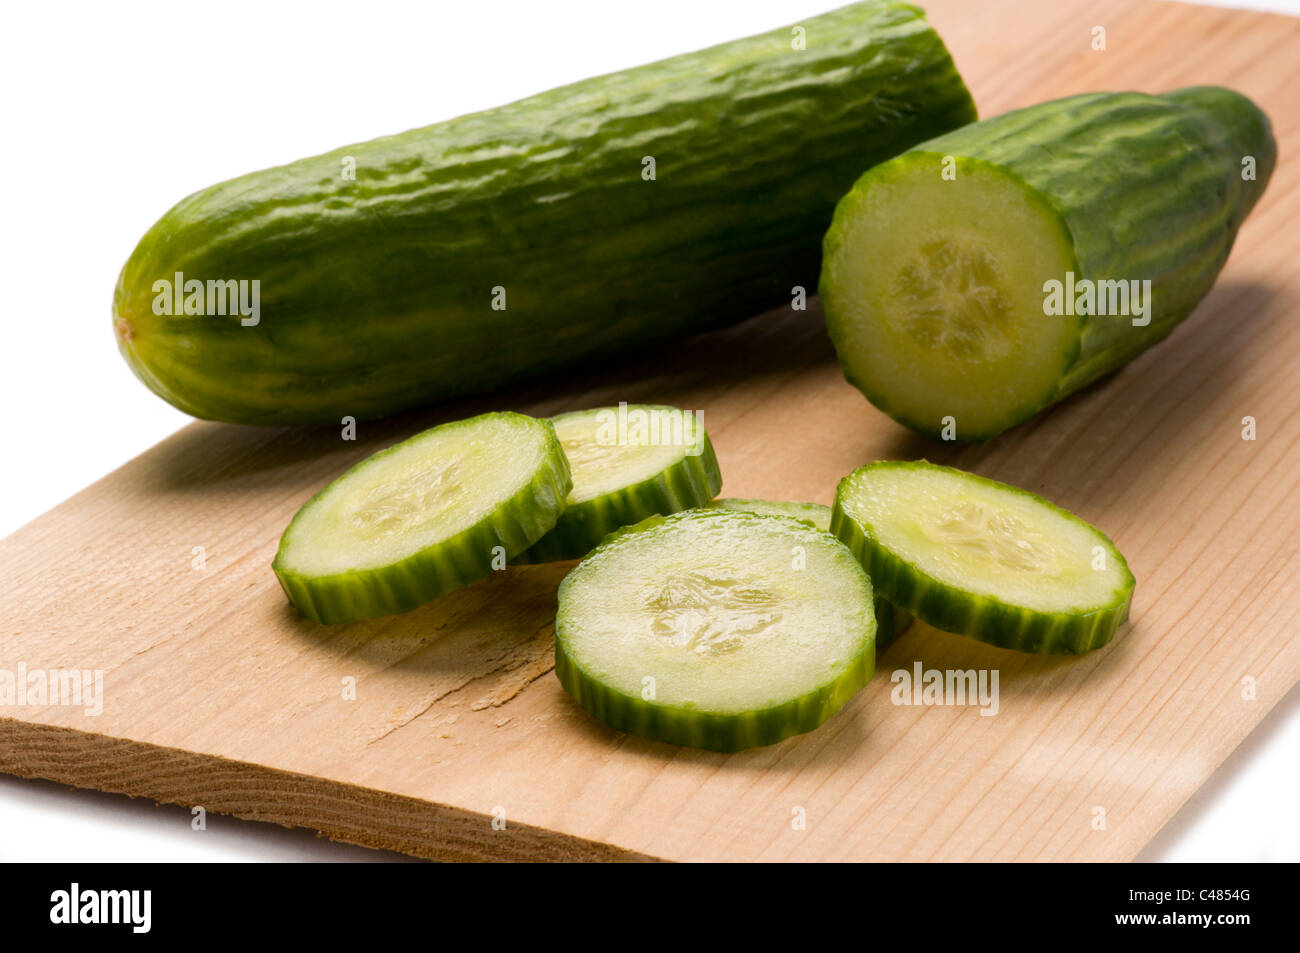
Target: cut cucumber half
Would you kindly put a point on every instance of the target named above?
(989, 272)
(424, 517)
(716, 629)
(628, 462)
(969, 555)
(890, 620)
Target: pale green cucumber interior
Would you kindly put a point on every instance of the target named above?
(934, 294)
(814, 513)
(415, 494)
(985, 538)
(610, 450)
(727, 612)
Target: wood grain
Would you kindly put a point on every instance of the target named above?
(216, 694)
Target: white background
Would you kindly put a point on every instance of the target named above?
(112, 112)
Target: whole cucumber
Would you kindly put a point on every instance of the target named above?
(589, 220)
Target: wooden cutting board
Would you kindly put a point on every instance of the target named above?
(217, 695)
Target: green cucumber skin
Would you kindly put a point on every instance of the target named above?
(376, 293)
(711, 731)
(980, 617)
(816, 515)
(448, 565)
(690, 483)
(891, 621)
(1147, 187)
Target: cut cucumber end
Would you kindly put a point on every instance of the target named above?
(716, 629)
(980, 558)
(933, 289)
(628, 463)
(424, 517)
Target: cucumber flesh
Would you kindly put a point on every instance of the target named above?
(717, 629)
(890, 620)
(658, 460)
(424, 517)
(969, 555)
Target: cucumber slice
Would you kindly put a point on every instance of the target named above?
(980, 558)
(628, 462)
(424, 517)
(890, 620)
(716, 629)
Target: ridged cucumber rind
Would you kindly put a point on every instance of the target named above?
(691, 481)
(891, 621)
(980, 615)
(710, 730)
(445, 565)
